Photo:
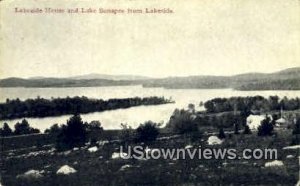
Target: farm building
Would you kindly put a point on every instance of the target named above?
(254, 121)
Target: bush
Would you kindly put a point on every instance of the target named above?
(127, 134)
(221, 134)
(54, 130)
(73, 134)
(24, 128)
(236, 128)
(296, 133)
(182, 122)
(147, 132)
(296, 129)
(266, 127)
(247, 130)
(5, 130)
(94, 129)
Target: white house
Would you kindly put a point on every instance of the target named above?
(254, 121)
(280, 121)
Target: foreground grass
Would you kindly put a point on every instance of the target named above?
(98, 168)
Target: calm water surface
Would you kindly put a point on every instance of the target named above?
(132, 116)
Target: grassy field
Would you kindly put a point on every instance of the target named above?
(98, 168)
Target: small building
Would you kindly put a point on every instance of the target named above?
(280, 121)
(254, 121)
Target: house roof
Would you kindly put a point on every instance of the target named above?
(281, 120)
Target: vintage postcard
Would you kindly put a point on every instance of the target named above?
(149, 92)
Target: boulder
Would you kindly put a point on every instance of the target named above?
(188, 147)
(93, 149)
(275, 163)
(125, 167)
(31, 174)
(117, 155)
(66, 169)
(214, 140)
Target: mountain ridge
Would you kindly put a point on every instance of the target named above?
(287, 79)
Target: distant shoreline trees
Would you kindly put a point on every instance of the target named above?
(41, 107)
(21, 128)
(245, 104)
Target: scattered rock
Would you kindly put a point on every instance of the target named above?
(224, 164)
(31, 174)
(298, 183)
(67, 152)
(292, 147)
(117, 155)
(125, 167)
(66, 169)
(188, 147)
(214, 140)
(101, 143)
(275, 163)
(93, 149)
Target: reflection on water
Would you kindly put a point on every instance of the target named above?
(132, 116)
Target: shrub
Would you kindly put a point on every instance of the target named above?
(182, 122)
(296, 129)
(266, 127)
(296, 132)
(147, 132)
(236, 128)
(6, 130)
(221, 134)
(247, 130)
(24, 128)
(54, 130)
(94, 129)
(127, 134)
(73, 134)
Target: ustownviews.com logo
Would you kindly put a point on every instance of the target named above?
(189, 152)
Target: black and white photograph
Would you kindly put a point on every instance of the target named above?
(149, 92)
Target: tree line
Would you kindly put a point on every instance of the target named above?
(41, 107)
(20, 128)
(244, 104)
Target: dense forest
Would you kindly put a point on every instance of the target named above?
(41, 107)
(257, 103)
(285, 84)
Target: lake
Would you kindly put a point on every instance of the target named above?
(132, 116)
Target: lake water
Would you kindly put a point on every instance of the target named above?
(132, 116)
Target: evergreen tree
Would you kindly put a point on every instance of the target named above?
(147, 132)
(247, 130)
(73, 134)
(266, 127)
(221, 134)
(6, 130)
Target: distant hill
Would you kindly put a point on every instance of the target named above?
(110, 77)
(62, 82)
(288, 79)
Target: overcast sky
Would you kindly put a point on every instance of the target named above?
(202, 37)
